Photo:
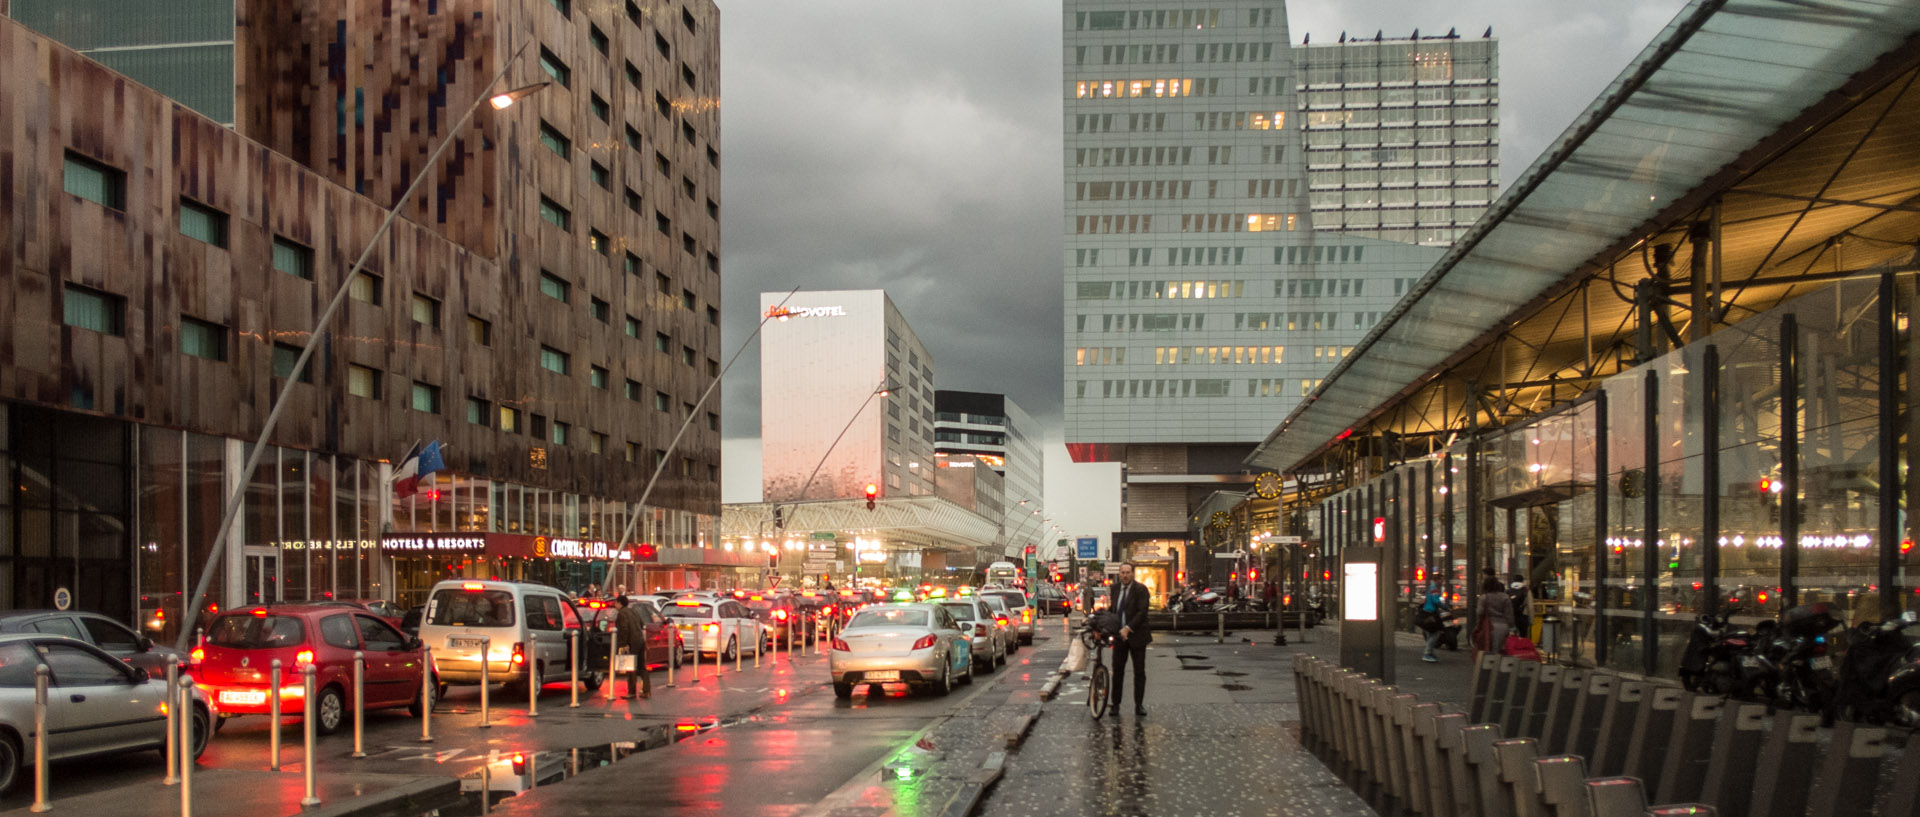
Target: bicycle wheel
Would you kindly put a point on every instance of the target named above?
(1097, 687)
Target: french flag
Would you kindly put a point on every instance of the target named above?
(418, 466)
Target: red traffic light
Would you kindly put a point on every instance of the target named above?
(1379, 529)
(1029, 550)
(873, 492)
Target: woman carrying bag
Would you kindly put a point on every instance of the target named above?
(1496, 618)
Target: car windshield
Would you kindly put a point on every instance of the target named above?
(684, 609)
(1014, 601)
(470, 608)
(761, 604)
(961, 612)
(251, 632)
(888, 618)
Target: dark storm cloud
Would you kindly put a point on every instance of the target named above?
(916, 147)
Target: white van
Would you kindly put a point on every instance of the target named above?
(524, 626)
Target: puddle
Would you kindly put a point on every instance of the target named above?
(1230, 673)
(1208, 666)
(1190, 657)
(509, 774)
(1235, 687)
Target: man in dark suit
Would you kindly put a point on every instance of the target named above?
(1130, 603)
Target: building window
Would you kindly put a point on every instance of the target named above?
(555, 214)
(661, 403)
(426, 397)
(598, 39)
(560, 431)
(293, 259)
(556, 141)
(202, 339)
(687, 77)
(95, 182)
(686, 19)
(633, 76)
(662, 106)
(598, 242)
(538, 426)
(633, 390)
(660, 45)
(686, 133)
(95, 310)
(633, 200)
(363, 382)
(687, 301)
(713, 210)
(555, 287)
(426, 311)
(687, 245)
(663, 283)
(477, 411)
(284, 357)
(556, 361)
(633, 138)
(633, 264)
(202, 222)
(555, 68)
(633, 327)
(366, 288)
(661, 342)
(600, 176)
(565, 7)
(479, 331)
(597, 443)
(713, 316)
(686, 355)
(713, 421)
(633, 451)
(597, 376)
(509, 420)
(713, 263)
(601, 110)
(599, 309)
(662, 223)
(663, 164)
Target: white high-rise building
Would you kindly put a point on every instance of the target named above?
(1240, 212)
(991, 429)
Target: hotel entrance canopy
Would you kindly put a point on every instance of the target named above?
(1752, 152)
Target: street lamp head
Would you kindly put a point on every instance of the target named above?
(505, 100)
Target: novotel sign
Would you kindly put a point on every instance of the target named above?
(785, 312)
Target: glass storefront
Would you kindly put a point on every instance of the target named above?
(1761, 468)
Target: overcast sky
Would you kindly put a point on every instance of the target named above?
(915, 147)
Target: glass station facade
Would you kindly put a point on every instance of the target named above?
(1757, 469)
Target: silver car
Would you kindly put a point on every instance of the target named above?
(916, 644)
(1009, 632)
(976, 620)
(96, 704)
(1018, 609)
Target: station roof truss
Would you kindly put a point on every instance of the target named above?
(926, 521)
(1772, 139)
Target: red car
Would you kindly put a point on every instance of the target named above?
(233, 667)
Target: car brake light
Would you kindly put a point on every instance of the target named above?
(260, 613)
(713, 628)
(780, 614)
(1026, 615)
(198, 655)
(303, 657)
(472, 586)
(519, 654)
(840, 645)
(925, 642)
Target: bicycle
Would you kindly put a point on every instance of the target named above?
(1099, 678)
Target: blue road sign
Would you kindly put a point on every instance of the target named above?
(1087, 547)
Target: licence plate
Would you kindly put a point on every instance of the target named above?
(1821, 662)
(883, 675)
(458, 643)
(249, 697)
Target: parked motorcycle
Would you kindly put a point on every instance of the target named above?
(1879, 677)
(1712, 661)
(1801, 669)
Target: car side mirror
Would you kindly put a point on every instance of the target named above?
(141, 675)
(414, 643)
(146, 644)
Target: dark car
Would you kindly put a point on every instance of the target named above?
(1051, 600)
(780, 614)
(98, 630)
(663, 642)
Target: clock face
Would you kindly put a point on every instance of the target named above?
(1267, 485)
(1220, 519)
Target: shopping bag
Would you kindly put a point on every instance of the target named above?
(1519, 647)
(623, 663)
(1076, 656)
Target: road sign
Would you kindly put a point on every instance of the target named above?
(824, 534)
(1087, 547)
(1288, 540)
(773, 582)
(62, 599)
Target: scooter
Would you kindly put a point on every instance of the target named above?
(1879, 678)
(1711, 662)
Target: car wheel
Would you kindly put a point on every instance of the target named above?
(440, 690)
(9, 762)
(1000, 655)
(732, 651)
(842, 691)
(946, 679)
(423, 700)
(966, 678)
(203, 727)
(329, 711)
(678, 654)
(593, 681)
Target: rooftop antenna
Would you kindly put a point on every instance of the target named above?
(1488, 35)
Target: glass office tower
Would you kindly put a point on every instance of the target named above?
(182, 48)
(1240, 212)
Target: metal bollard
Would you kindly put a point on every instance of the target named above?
(740, 647)
(696, 657)
(184, 705)
(573, 667)
(1220, 635)
(673, 639)
(533, 675)
(613, 662)
(173, 732)
(308, 761)
(274, 710)
(426, 697)
(486, 680)
(40, 676)
(359, 703)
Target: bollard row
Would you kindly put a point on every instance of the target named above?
(1498, 760)
(1553, 741)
